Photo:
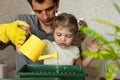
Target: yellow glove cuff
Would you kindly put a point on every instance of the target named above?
(3, 36)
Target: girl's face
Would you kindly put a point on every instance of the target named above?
(63, 37)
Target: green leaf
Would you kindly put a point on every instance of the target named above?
(111, 71)
(96, 35)
(116, 27)
(118, 41)
(104, 55)
(117, 7)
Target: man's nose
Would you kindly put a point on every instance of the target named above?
(45, 15)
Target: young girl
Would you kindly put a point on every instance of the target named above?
(65, 28)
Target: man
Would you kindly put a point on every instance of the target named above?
(40, 24)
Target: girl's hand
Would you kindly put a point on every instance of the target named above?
(93, 46)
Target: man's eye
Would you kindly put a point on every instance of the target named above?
(37, 11)
(49, 9)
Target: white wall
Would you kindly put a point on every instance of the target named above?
(10, 8)
(89, 9)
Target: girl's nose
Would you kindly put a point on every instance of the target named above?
(63, 38)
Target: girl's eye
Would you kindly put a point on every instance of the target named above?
(58, 34)
(69, 36)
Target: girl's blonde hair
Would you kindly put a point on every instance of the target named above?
(80, 36)
(66, 20)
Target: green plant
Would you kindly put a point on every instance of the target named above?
(109, 49)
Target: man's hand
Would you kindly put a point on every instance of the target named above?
(15, 32)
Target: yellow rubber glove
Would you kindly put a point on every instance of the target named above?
(13, 32)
